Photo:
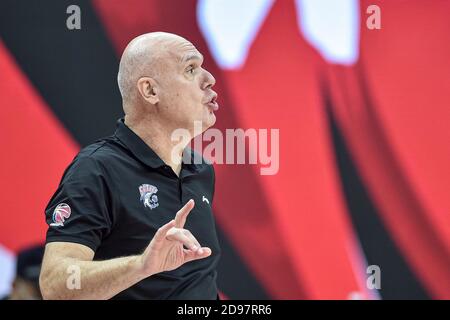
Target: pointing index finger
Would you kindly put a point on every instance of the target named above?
(180, 218)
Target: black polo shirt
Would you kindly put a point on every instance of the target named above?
(115, 195)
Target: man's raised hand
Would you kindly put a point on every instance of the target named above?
(166, 252)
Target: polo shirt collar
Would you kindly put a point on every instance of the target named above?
(143, 152)
(137, 146)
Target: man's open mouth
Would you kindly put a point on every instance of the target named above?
(212, 103)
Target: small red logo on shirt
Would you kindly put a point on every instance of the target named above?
(60, 214)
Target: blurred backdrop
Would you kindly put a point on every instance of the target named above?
(363, 115)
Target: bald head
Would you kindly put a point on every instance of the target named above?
(164, 84)
(143, 56)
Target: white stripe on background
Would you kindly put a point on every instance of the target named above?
(7, 270)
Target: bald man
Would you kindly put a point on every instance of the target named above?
(132, 217)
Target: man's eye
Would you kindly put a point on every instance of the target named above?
(191, 70)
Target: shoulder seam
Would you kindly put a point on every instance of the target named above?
(95, 150)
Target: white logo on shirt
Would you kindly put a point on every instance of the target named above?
(148, 195)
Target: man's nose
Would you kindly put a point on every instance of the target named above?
(210, 81)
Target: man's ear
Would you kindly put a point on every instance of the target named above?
(148, 89)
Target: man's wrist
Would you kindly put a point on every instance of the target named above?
(138, 267)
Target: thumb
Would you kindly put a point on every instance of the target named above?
(190, 255)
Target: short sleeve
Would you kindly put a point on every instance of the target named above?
(80, 209)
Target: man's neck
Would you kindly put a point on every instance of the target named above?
(158, 138)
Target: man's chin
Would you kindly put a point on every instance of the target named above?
(211, 120)
(200, 126)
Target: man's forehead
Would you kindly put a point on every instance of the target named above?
(179, 52)
(187, 51)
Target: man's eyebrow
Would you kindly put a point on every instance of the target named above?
(192, 56)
